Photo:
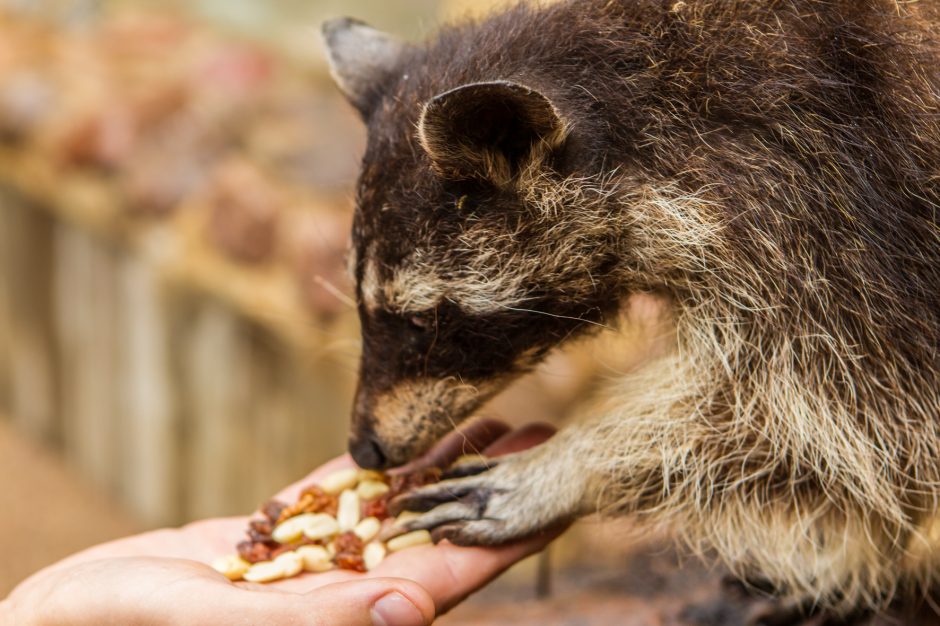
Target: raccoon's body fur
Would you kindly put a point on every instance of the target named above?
(769, 170)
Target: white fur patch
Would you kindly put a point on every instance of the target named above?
(369, 287)
(421, 287)
(485, 272)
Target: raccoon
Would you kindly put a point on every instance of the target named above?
(768, 172)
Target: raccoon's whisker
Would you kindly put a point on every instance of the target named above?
(335, 291)
(557, 316)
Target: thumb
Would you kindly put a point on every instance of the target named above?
(372, 602)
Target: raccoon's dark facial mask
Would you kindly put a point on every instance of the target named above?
(447, 264)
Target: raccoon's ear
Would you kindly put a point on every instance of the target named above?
(361, 59)
(490, 130)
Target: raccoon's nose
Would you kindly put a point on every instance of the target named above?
(368, 453)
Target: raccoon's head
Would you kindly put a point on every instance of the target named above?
(470, 261)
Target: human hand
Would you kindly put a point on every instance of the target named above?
(161, 577)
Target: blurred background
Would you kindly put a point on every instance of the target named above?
(177, 338)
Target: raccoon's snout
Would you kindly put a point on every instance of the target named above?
(380, 444)
(393, 426)
(365, 445)
(368, 453)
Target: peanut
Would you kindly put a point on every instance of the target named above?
(368, 528)
(290, 563)
(469, 458)
(320, 526)
(406, 516)
(408, 540)
(264, 572)
(315, 558)
(373, 554)
(371, 489)
(371, 475)
(232, 566)
(348, 512)
(292, 528)
(340, 481)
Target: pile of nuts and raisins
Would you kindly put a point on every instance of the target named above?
(338, 523)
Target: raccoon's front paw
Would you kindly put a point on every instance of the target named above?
(509, 498)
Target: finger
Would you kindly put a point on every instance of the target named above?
(526, 437)
(471, 438)
(310, 581)
(361, 602)
(451, 573)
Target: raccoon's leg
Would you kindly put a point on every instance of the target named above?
(618, 463)
(512, 497)
(713, 479)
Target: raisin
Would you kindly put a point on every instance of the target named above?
(295, 509)
(350, 561)
(262, 527)
(320, 501)
(254, 552)
(349, 552)
(376, 508)
(348, 542)
(272, 509)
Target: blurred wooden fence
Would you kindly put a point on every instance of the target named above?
(179, 380)
(183, 394)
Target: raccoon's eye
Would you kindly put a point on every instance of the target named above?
(421, 321)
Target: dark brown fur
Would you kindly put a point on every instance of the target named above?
(770, 169)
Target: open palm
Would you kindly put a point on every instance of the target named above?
(162, 577)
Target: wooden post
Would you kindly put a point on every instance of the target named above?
(87, 330)
(31, 351)
(219, 453)
(149, 451)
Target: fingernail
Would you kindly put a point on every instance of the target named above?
(394, 609)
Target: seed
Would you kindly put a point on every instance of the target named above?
(340, 481)
(232, 566)
(290, 563)
(292, 528)
(264, 572)
(408, 540)
(348, 513)
(371, 489)
(316, 558)
(368, 528)
(373, 554)
(321, 526)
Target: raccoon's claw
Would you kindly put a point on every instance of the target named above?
(469, 466)
(458, 491)
(502, 503)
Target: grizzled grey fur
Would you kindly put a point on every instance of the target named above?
(768, 171)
